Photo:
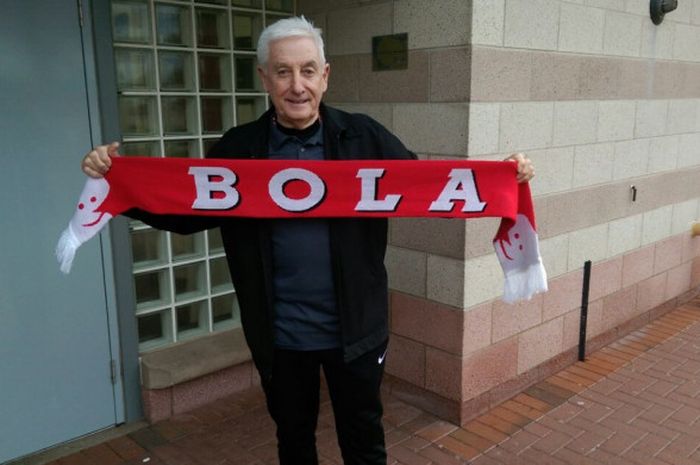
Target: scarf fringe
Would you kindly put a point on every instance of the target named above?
(66, 247)
(524, 283)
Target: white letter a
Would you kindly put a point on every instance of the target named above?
(461, 186)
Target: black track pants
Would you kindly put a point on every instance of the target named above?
(354, 387)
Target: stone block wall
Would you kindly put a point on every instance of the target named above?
(600, 99)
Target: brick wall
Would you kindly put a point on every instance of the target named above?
(600, 99)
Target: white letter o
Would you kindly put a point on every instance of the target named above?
(278, 181)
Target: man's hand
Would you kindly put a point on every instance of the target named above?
(98, 161)
(525, 169)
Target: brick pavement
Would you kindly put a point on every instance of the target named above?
(634, 402)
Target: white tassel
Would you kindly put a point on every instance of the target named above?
(67, 245)
(524, 283)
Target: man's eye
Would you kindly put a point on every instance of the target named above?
(283, 72)
(309, 72)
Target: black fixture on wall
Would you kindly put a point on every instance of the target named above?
(659, 8)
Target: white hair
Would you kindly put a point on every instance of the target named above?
(297, 26)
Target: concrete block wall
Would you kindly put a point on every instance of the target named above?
(600, 99)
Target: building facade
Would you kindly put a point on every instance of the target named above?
(606, 104)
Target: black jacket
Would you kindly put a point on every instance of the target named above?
(358, 245)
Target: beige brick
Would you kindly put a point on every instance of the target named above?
(663, 154)
(618, 5)
(316, 6)
(442, 373)
(478, 323)
(682, 116)
(683, 216)
(447, 25)
(382, 112)
(487, 22)
(637, 265)
(500, 74)
(678, 280)
(555, 169)
(526, 126)
(581, 29)
(446, 280)
(683, 12)
(449, 75)
(343, 82)
(623, 33)
(511, 319)
(484, 119)
(636, 79)
(603, 77)
(593, 164)
(637, 7)
(651, 118)
(351, 30)
(657, 41)
(438, 128)
(555, 253)
(532, 24)
(575, 122)
(488, 368)
(625, 234)
(555, 76)
(606, 277)
(568, 211)
(407, 270)
(588, 244)
(667, 253)
(686, 44)
(690, 84)
(479, 234)
(409, 85)
(406, 360)
(619, 307)
(631, 159)
(539, 344)
(564, 295)
(433, 324)
(651, 292)
(483, 279)
(665, 80)
(688, 150)
(615, 120)
(420, 234)
(656, 224)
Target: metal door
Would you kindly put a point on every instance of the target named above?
(55, 347)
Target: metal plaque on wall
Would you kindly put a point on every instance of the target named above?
(390, 52)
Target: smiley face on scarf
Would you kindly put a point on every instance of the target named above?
(521, 245)
(88, 216)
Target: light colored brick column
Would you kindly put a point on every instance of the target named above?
(599, 99)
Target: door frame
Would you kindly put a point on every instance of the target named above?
(120, 295)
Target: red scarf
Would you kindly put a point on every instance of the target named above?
(291, 188)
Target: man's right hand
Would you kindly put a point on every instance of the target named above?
(97, 162)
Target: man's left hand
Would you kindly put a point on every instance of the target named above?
(526, 170)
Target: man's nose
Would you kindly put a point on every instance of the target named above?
(297, 83)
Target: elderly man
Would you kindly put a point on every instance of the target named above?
(312, 292)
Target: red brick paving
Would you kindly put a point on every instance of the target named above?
(634, 402)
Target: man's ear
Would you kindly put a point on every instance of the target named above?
(326, 74)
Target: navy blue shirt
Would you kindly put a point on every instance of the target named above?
(306, 317)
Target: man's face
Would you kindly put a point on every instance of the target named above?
(295, 80)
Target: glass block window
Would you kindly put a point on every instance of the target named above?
(186, 72)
